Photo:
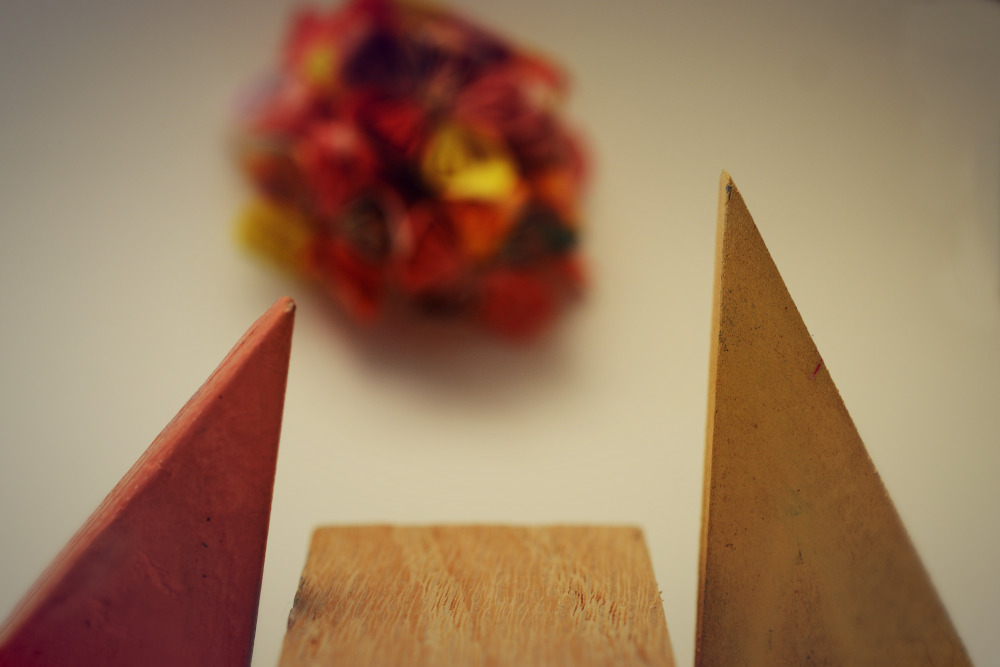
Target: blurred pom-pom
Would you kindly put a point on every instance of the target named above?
(404, 157)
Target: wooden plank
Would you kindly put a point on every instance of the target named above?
(804, 560)
(477, 595)
(167, 570)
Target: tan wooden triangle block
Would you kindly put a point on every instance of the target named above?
(377, 596)
(167, 570)
(804, 559)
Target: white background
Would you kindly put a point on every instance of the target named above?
(865, 138)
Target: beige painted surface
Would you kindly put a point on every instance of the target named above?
(804, 559)
(375, 596)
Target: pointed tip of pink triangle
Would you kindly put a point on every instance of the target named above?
(167, 570)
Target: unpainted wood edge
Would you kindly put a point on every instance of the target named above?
(726, 188)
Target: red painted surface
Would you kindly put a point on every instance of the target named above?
(167, 571)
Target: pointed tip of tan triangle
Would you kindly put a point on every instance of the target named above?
(167, 570)
(804, 558)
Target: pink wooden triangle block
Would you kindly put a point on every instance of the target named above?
(167, 571)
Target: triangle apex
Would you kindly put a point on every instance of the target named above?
(727, 187)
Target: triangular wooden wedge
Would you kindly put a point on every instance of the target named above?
(804, 560)
(167, 571)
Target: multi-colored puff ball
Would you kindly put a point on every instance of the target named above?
(403, 156)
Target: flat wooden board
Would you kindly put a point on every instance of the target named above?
(803, 558)
(477, 595)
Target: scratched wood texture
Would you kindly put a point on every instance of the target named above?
(804, 559)
(477, 595)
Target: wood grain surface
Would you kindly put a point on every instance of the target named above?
(804, 560)
(477, 595)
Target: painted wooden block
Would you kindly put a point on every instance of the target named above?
(804, 560)
(376, 596)
(167, 571)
